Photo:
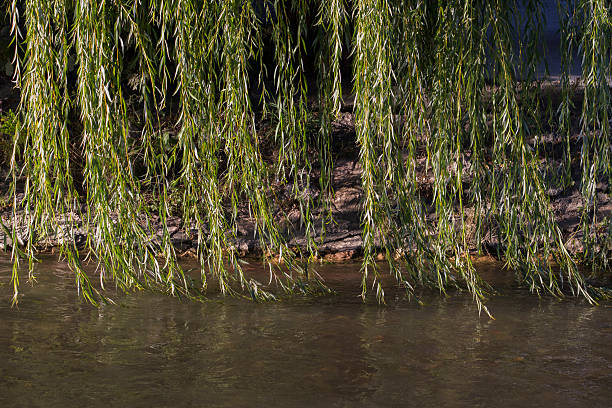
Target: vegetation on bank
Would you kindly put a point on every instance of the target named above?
(8, 121)
(459, 79)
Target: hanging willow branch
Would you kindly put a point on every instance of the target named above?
(596, 153)
(163, 104)
(332, 21)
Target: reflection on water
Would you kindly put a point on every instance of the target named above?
(152, 350)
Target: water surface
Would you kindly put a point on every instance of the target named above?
(155, 351)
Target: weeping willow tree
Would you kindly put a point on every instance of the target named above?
(459, 80)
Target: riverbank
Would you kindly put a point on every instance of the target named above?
(342, 239)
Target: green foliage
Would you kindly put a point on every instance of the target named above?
(456, 79)
(8, 127)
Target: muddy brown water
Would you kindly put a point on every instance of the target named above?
(154, 351)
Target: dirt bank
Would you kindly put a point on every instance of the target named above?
(342, 239)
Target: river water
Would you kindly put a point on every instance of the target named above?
(155, 351)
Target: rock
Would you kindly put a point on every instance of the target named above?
(341, 256)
